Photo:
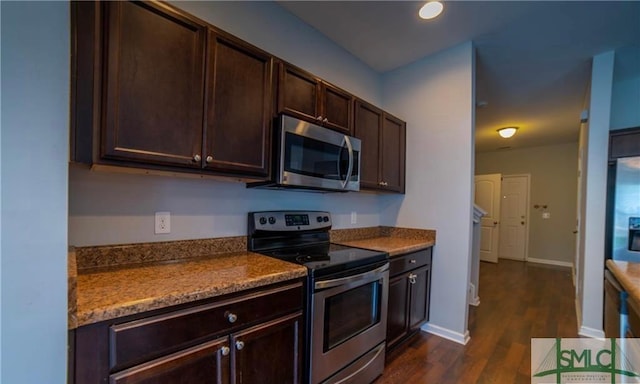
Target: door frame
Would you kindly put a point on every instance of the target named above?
(527, 215)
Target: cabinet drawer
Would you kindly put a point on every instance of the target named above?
(140, 340)
(634, 317)
(409, 261)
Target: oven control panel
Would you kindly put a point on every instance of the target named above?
(290, 220)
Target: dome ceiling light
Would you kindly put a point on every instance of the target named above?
(430, 10)
(507, 132)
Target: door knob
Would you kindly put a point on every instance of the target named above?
(522, 222)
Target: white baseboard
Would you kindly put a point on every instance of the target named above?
(559, 263)
(446, 333)
(591, 332)
(475, 301)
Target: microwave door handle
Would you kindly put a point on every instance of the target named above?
(350, 169)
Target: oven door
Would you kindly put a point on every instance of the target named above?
(349, 320)
(316, 157)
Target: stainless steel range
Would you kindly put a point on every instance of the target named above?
(346, 300)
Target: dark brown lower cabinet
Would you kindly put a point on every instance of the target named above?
(205, 363)
(243, 338)
(409, 285)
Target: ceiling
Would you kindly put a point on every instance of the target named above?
(533, 57)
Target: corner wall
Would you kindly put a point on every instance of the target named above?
(553, 171)
(595, 172)
(436, 97)
(35, 121)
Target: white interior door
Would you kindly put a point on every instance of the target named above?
(514, 218)
(487, 196)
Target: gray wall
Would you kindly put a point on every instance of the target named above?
(553, 171)
(35, 110)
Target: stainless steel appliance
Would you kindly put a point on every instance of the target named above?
(308, 156)
(346, 294)
(626, 210)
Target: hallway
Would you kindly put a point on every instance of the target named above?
(518, 301)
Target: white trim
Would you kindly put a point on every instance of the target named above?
(591, 332)
(559, 263)
(573, 274)
(446, 333)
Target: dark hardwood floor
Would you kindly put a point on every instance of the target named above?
(518, 301)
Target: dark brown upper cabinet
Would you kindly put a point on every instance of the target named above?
(154, 77)
(239, 107)
(305, 96)
(383, 139)
(156, 88)
(624, 143)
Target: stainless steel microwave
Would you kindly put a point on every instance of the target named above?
(308, 156)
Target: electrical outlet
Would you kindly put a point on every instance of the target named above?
(354, 217)
(163, 222)
(546, 215)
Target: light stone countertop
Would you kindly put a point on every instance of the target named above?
(114, 292)
(394, 246)
(628, 274)
(394, 241)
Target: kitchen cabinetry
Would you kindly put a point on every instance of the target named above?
(304, 96)
(409, 286)
(152, 90)
(634, 318)
(383, 139)
(216, 341)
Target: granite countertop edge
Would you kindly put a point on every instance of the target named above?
(80, 315)
(628, 274)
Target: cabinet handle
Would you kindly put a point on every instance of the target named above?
(239, 345)
(231, 317)
(196, 158)
(325, 120)
(225, 350)
(384, 183)
(319, 118)
(412, 261)
(412, 278)
(381, 183)
(209, 159)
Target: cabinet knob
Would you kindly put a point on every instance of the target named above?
(319, 118)
(239, 345)
(197, 158)
(209, 159)
(383, 183)
(325, 120)
(225, 351)
(412, 261)
(231, 317)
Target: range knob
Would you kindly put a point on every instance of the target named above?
(263, 220)
(272, 220)
(319, 219)
(326, 219)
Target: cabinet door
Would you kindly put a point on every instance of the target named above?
(393, 153)
(337, 108)
(298, 94)
(154, 85)
(239, 112)
(397, 309)
(268, 353)
(419, 298)
(367, 128)
(203, 364)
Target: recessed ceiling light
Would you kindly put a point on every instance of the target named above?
(430, 10)
(507, 132)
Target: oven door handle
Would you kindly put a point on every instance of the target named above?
(351, 279)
